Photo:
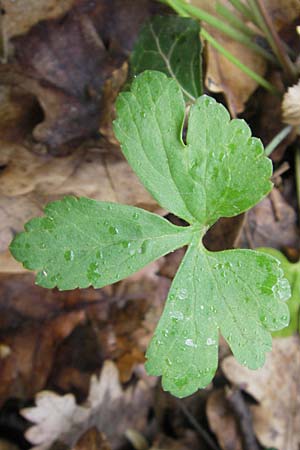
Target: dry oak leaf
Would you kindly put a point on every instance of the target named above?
(28, 181)
(108, 408)
(291, 106)
(276, 388)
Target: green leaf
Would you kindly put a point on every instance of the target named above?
(171, 45)
(292, 273)
(236, 292)
(221, 171)
(82, 242)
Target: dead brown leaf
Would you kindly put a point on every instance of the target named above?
(222, 422)
(92, 440)
(271, 223)
(222, 75)
(276, 388)
(64, 63)
(19, 17)
(108, 407)
(33, 324)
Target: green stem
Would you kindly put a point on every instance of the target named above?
(223, 27)
(277, 139)
(242, 8)
(266, 25)
(234, 20)
(297, 171)
(261, 81)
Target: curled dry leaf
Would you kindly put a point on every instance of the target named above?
(276, 388)
(221, 74)
(291, 106)
(108, 408)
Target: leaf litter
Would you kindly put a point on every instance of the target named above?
(75, 378)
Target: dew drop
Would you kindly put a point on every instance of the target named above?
(69, 255)
(113, 230)
(210, 341)
(190, 343)
(93, 273)
(44, 273)
(168, 361)
(136, 215)
(182, 294)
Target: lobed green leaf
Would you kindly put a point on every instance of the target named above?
(239, 293)
(82, 242)
(221, 171)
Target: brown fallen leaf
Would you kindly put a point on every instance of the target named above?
(108, 407)
(276, 388)
(33, 324)
(28, 181)
(92, 440)
(271, 223)
(221, 74)
(64, 63)
(19, 17)
(222, 422)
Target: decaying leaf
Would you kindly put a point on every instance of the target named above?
(65, 62)
(33, 325)
(222, 422)
(271, 223)
(59, 340)
(291, 106)
(221, 74)
(92, 440)
(276, 388)
(108, 408)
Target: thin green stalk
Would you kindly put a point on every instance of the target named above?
(223, 27)
(297, 172)
(242, 8)
(261, 81)
(265, 24)
(234, 20)
(179, 9)
(277, 139)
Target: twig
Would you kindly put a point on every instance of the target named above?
(197, 426)
(243, 418)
